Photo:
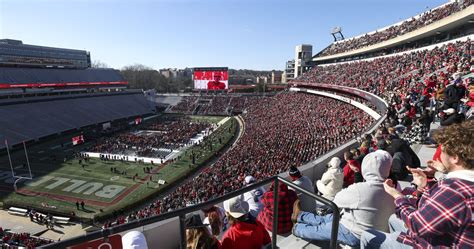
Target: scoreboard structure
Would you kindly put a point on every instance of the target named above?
(211, 78)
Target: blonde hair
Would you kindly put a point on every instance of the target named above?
(198, 238)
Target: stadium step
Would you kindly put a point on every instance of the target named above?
(293, 242)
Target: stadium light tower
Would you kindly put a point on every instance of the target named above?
(336, 32)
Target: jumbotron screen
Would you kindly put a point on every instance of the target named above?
(211, 78)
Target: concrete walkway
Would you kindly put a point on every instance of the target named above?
(22, 224)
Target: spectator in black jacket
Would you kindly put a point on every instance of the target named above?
(403, 156)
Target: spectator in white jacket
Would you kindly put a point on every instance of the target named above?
(332, 180)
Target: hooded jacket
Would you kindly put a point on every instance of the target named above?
(366, 204)
(332, 180)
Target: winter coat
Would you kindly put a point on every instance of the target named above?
(366, 204)
(332, 180)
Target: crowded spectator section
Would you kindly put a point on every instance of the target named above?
(419, 86)
(396, 30)
(153, 142)
(280, 131)
(208, 104)
(21, 240)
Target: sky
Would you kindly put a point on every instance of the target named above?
(239, 34)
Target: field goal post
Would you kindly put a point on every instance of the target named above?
(18, 178)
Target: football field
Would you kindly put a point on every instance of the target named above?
(60, 180)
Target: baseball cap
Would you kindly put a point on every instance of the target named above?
(236, 206)
(134, 240)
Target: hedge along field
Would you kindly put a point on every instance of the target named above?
(57, 185)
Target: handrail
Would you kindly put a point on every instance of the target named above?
(181, 213)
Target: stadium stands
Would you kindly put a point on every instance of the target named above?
(280, 131)
(403, 73)
(291, 129)
(29, 121)
(214, 105)
(20, 240)
(161, 137)
(396, 30)
(19, 76)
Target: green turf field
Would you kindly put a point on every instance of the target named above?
(58, 184)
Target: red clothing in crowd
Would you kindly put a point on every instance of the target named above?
(349, 173)
(286, 199)
(250, 235)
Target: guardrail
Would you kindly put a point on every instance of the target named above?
(181, 213)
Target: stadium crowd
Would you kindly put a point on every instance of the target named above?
(173, 133)
(214, 104)
(292, 128)
(407, 26)
(280, 131)
(10, 240)
(419, 86)
(288, 129)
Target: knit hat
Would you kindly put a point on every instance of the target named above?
(294, 172)
(194, 221)
(134, 240)
(236, 206)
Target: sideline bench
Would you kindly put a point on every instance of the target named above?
(61, 220)
(17, 211)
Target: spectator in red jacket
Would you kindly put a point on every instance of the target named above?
(286, 199)
(245, 231)
(351, 170)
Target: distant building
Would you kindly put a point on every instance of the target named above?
(15, 53)
(276, 76)
(290, 70)
(303, 56)
(176, 73)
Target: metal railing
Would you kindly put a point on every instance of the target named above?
(181, 213)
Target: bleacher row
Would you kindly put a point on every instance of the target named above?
(13, 75)
(23, 122)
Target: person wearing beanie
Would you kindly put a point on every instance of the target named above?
(307, 203)
(365, 205)
(332, 180)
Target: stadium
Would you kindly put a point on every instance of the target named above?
(85, 159)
